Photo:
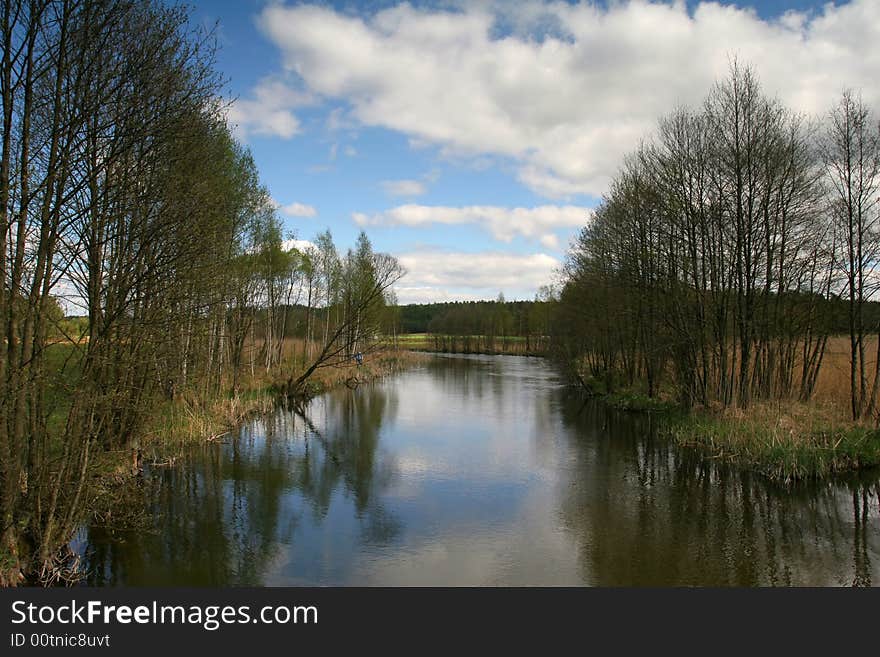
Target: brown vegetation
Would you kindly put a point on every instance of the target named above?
(833, 382)
(190, 417)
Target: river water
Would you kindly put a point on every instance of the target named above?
(479, 470)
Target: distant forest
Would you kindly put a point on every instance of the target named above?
(510, 318)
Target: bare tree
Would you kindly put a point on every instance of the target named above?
(852, 158)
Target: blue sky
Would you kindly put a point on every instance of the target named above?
(471, 139)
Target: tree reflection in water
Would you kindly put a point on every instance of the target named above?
(222, 517)
(649, 513)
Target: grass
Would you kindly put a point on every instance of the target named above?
(209, 419)
(375, 366)
(628, 398)
(181, 421)
(782, 440)
(636, 401)
(63, 362)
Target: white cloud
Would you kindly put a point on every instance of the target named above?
(550, 241)
(294, 209)
(300, 245)
(503, 223)
(438, 276)
(404, 187)
(298, 210)
(564, 89)
(269, 112)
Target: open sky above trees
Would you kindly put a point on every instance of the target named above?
(472, 139)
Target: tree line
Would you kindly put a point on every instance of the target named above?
(731, 244)
(498, 317)
(124, 195)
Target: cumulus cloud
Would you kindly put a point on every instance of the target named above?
(436, 275)
(298, 210)
(503, 223)
(562, 89)
(404, 187)
(269, 112)
(294, 209)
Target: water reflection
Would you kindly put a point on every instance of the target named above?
(480, 470)
(651, 514)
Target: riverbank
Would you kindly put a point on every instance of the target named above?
(189, 419)
(512, 345)
(783, 440)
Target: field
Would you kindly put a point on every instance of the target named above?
(833, 384)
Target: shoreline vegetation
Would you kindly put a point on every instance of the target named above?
(201, 420)
(783, 440)
(189, 422)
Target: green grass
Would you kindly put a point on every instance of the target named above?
(783, 440)
(782, 447)
(636, 401)
(627, 398)
(73, 327)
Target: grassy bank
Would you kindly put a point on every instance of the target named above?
(626, 398)
(375, 366)
(782, 440)
(513, 345)
(190, 419)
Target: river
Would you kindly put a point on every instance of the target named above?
(479, 470)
